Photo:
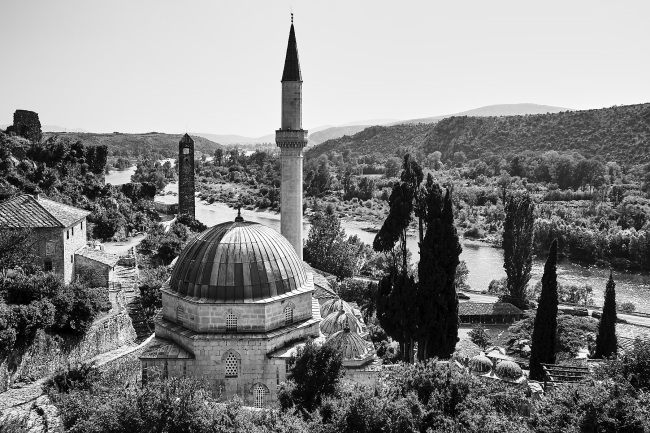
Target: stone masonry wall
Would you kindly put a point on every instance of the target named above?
(186, 179)
(26, 124)
(251, 317)
(49, 353)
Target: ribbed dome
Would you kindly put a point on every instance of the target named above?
(237, 262)
(351, 345)
(333, 305)
(337, 321)
(508, 370)
(480, 364)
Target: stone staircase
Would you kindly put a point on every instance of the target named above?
(128, 277)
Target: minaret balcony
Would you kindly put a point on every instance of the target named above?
(291, 137)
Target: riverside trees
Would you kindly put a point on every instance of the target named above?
(606, 343)
(518, 248)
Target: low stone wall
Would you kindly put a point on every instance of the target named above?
(49, 353)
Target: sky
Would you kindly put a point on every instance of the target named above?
(215, 66)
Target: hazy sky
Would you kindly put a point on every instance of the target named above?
(215, 66)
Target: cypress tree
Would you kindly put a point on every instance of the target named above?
(545, 328)
(518, 248)
(437, 300)
(606, 344)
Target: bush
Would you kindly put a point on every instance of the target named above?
(479, 336)
(627, 307)
(474, 232)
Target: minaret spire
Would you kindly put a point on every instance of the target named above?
(291, 139)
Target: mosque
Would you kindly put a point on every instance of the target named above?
(240, 300)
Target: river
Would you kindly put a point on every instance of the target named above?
(484, 262)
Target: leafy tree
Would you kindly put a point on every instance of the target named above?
(17, 249)
(327, 247)
(545, 328)
(632, 365)
(392, 167)
(606, 344)
(315, 374)
(518, 232)
(461, 276)
(480, 337)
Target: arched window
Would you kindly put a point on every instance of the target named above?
(288, 314)
(231, 322)
(231, 361)
(259, 394)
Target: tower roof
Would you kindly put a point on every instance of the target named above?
(186, 139)
(291, 62)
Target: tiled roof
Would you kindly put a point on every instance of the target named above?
(487, 309)
(322, 288)
(291, 64)
(238, 262)
(25, 211)
(160, 348)
(99, 256)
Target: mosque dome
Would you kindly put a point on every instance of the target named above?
(480, 364)
(236, 262)
(338, 320)
(334, 305)
(351, 345)
(508, 370)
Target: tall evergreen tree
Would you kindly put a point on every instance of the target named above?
(518, 248)
(545, 328)
(396, 296)
(606, 344)
(437, 299)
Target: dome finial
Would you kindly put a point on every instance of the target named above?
(239, 218)
(291, 17)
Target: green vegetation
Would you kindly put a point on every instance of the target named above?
(606, 343)
(327, 247)
(544, 332)
(415, 398)
(518, 248)
(152, 145)
(41, 302)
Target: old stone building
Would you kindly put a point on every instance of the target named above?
(26, 124)
(59, 235)
(186, 176)
(240, 301)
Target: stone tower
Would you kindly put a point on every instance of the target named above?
(291, 139)
(186, 176)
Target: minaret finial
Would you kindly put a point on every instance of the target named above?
(291, 17)
(239, 218)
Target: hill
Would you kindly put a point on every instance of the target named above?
(135, 145)
(620, 134)
(492, 110)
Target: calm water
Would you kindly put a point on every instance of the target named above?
(485, 263)
(115, 177)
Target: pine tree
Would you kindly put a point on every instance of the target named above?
(518, 248)
(606, 344)
(545, 328)
(437, 300)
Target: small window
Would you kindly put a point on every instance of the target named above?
(232, 365)
(259, 393)
(288, 315)
(72, 231)
(67, 234)
(47, 265)
(82, 225)
(231, 322)
(71, 258)
(186, 150)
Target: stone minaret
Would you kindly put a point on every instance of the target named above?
(186, 176)
(291, 139)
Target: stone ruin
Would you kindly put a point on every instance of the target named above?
(26, 124)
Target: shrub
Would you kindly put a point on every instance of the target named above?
(627, 307)
(479, 336)
(474, 232)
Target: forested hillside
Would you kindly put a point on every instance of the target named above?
(151, 144)
(620, 134)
